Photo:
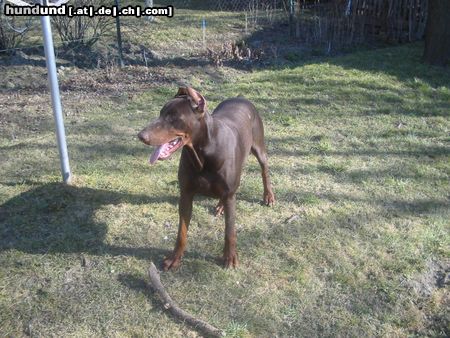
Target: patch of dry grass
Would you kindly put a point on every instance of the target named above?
(358, 243)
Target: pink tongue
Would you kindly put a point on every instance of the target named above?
(156, 154)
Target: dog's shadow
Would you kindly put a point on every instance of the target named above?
(57, 218)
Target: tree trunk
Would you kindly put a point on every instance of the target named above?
(437, 33)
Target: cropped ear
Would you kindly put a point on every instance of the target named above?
(198, 101)
(182, 91)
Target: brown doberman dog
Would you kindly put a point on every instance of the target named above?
(215, 148)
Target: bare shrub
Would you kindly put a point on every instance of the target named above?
(83, 30)
(12, 29)
(234, 51)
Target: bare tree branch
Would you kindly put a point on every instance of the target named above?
(170, 305)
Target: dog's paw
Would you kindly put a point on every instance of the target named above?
(218, 211)
(171, 262)
(269, 198)
(230, 260)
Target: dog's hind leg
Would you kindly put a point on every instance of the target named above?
(219, 210)
(259, 150)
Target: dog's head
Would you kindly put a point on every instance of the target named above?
(176, 124)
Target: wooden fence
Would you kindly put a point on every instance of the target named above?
(346, 22)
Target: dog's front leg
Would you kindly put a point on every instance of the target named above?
(185, 212)
(229, 251)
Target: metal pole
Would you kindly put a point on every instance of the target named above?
(246, 23)
(204, 32)
(119, 36)
(291, 17)
(56, 100)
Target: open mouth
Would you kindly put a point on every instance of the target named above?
(164, 151)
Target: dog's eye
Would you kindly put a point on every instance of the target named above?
(179, 124)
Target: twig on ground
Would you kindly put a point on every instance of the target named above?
(170, 305)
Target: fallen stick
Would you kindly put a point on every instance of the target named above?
(170, 305)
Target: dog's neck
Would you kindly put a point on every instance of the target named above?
(200, 140)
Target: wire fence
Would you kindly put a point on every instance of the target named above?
(220, 31)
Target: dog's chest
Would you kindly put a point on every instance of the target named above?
(219, 176)
(210, 183)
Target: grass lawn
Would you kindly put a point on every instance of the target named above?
(358, 243)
